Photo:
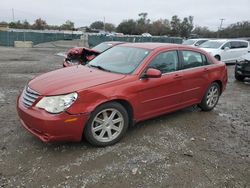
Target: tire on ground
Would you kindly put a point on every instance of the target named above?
(204, 103)
(237, 76)
(89, 135)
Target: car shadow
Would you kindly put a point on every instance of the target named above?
(84, 145)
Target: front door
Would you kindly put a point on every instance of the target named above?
(160, 95)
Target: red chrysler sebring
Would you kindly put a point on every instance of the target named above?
(126, 84)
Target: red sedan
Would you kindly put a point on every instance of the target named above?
(80, 55)
(126, 84)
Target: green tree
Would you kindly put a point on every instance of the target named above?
(26, 25)
(68, 25)
(39, 24)
(160, 27)
(203, 32)
(143, 23)
(97, 25)
(109, 27)
(186, 27)
(175, 26)
(127, 27)
(239, 29)
(16, 25)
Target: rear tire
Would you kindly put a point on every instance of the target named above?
(107, 124)
(211, 97)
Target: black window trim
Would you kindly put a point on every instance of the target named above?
(164, 51)
(208, 61)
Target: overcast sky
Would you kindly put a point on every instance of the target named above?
(83, 12)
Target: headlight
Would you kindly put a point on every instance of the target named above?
(57, 104)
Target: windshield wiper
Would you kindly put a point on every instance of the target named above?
(98, 67)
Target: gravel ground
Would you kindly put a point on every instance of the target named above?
(188, 148)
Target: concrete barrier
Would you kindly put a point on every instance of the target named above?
(23, 44)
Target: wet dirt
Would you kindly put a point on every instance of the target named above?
(187, 148)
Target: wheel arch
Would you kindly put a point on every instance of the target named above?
(219, 57)
(126, 104)
(220, 84)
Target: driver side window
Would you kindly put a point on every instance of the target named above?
(226, 45)
(165, 62)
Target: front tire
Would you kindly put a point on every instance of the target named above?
(237, 76)
(211, 97)
(107, 124)
(217, 57)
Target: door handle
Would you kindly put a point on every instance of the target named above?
(205, 69)
(177, 76)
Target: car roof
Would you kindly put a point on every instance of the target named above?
(152, 45)
(197, 39)
(227, 40)
(115, 42)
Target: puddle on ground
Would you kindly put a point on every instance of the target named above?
(61, 54)
(2, 97)
(225, 115)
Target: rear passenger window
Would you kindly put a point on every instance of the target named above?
(192, 59)
(165, 62)
(200, 42)
(205, 60)
(235, 44)
(238, 44)
(243, 44)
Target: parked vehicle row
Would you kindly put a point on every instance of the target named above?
(226, 50)
(128, 83)
(195, 42)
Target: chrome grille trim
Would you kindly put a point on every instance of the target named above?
(29, 96)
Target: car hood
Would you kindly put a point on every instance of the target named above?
(246, 57)
(209, 50)
(67, 80)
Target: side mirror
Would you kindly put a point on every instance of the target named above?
(152, 73)
(226, 48)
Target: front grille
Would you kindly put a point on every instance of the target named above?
(29, 97)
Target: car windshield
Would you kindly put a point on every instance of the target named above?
(189, 42)
(120, 59)
(102, 47)
(211, 44)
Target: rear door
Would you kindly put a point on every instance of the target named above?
(227, 53)
(243, 48)
(195, 71)
(237, 49)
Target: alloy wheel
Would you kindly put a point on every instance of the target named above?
(107, 125)
(212, 96)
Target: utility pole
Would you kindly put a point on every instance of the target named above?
(221, 22)
(104, 23)
(220, 28)
(13, 15)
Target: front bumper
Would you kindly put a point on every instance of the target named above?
(243, 69)
(51, 128)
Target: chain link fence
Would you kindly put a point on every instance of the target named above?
(7, 38)
(94, 40)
